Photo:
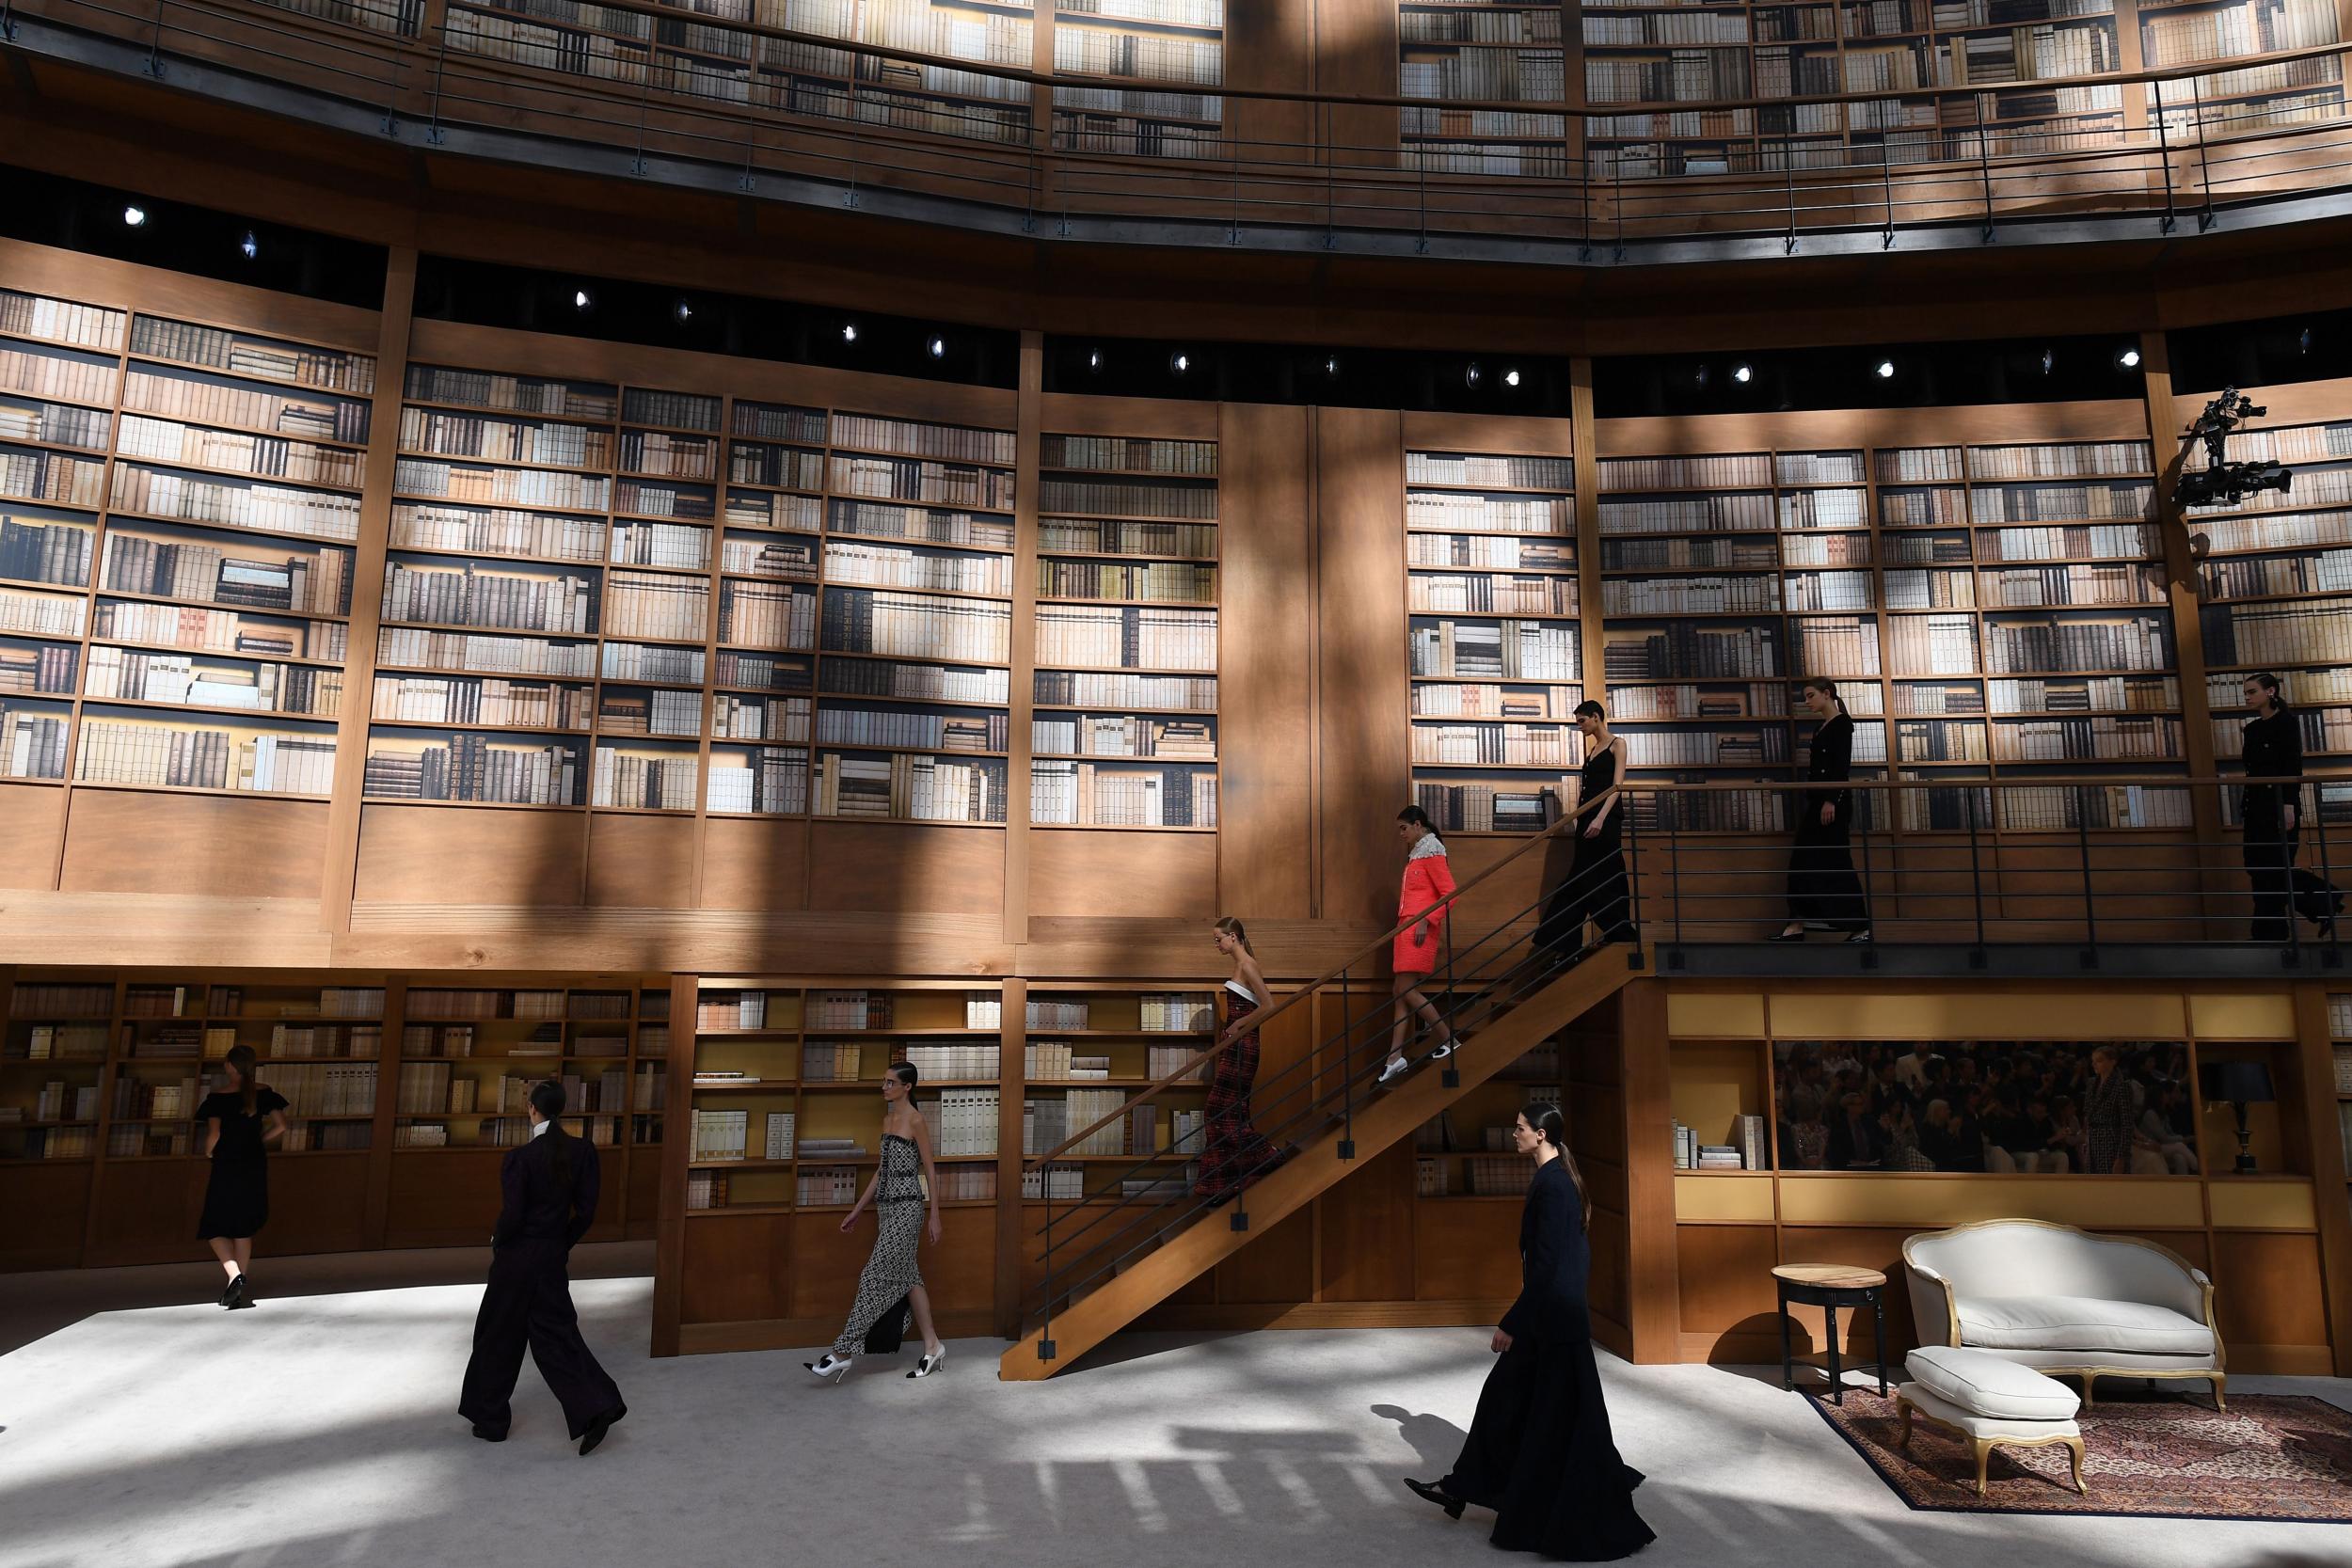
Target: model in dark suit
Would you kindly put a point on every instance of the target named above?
(2273, 750)
(1539, 1451)
(551, 1200)
(1822, 886)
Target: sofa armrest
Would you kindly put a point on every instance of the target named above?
(1935, 1306)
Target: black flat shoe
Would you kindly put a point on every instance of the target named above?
(1436, 1494)
(486, 1434)
(229, 1293)
(597, 1428)
(240, 1292)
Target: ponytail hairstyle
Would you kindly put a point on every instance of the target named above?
(1544, 1116)
(241, 1058)
(1233, 928)
(1419, 818)
(547, 1097)
(907, 1073)
(2270, 683)
(1826, 686)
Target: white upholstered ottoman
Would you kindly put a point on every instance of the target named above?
(1989, 1400)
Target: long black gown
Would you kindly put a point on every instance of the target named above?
(1822, 881)
(2273, 749)
(1539, 1451)
(1595, 888)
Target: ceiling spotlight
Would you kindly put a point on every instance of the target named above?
(250, 247)
(1094, 362)
(2049, 360)
(1178, 362)
(582, 299)
(2303, 343)
(683, 311)
(849, 332)
(1332, 366)
(1743, 375)
(1700, 376)
(2129, 359)
(134, 216)
(1472, 375)
(936, 347)
(1511, 377)
(1886, 369)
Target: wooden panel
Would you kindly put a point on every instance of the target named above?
(1279, 1266)
(1649, 1239)
(1723, 1276)
(467, 855)
(444, 1198)
(147, 1210)
(32, 820)
(2264, 1017)
(2267, 1290)
(133, 841)
(645, 1189)
(1723, 1198)
(47, 1203)
(736, 1268)
(751, 863)
(1932, 1202)
(1738, 1015)
(1465, 1249)
(317, 1203)
(641, 862)
(1359, 478)
(2262, 1205)
(2080, 1014)
(1266, 630)
(1115, 872)
(959, 1273)
(1364, 1229)
(899, 867)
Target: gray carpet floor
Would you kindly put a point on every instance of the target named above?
(319, 1430)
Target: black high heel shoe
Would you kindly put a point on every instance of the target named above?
(1436, 1494)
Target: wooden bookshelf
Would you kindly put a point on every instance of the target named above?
(174, 493)
(1485, 53)
(1086, 1053)
(1466, 1154)
(1124, 730)
(1496, 658)
(1173, 51)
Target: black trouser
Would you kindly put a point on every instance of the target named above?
(1822, 881)
(1594, 889)
(2269, 856)
(529, 1302)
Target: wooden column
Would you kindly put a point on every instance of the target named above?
(2307, 1095)
(1653, 1283)
(367, 593)
(1013, 1078)
(1586, 459)
(678, 1148)
(1019, 744)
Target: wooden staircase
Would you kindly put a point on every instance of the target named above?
(1381, 1120)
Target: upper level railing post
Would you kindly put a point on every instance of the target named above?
(1789, 170)
(1886, 182)
(2082, 850)
(441, 59)
(154, 66)
(1634, 874)
(1348, 1067)
(2164, 158)
(1674, 872)
(2204, 169)
(1585, 177)
(1046, 1325)
(2333, 957)
(1324, 128)
(1984, 173)
(1976, 878)
(1869, 913)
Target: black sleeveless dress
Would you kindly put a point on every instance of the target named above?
(1595, 888)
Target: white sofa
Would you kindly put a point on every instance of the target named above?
(2065, 1302)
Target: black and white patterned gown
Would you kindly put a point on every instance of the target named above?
(891, 1272)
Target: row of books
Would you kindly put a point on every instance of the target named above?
(56, 553)
(1508, 649)
(632, 782)
(1441, 512)
(640, 543)
(1088, 688)
(927, 525)
(61, 321)
(1125, 736)
(265, 508)
(963, 1121)
(417, 648)
(906, 626)
(54, 376)
(904, 787)
(445, 434)
(516, 393)
(183, 397)
(467, 597)
(315, 584)
(1557, 746)
(123, 751)
(239, 452)
(769, 781)
(1102, 795)
(916, 479)
(63, 425)
(63, 1042)
(1162, 581)
(1716, 513)
(1486, 700)
(892, 567)
(472, 767)
(1132, 453)
(243, 354)
(481, 700)
(893, 728)
(430, 479)
(1493, 808)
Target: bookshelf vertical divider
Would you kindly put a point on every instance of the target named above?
(376, 1225)
(1013, 1077)
(677, 1151)
(346, 811)
(1021, 739)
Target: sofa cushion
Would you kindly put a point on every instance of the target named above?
(1985, 1385)
(2080, 1324)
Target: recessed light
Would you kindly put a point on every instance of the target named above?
(1178, 362)
(936, 347)
(683, 311)
(1743, 375)
(1511, 377)
(2303, 343)
(1472, 375)
(251, 245)
(2049, 360)
(582, 299)
(1886, 369)
(1094, 360)
(849, 332)
(134, 216)
(2129, 359)
(1332, 366)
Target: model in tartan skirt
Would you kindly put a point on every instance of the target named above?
(1233, 1152)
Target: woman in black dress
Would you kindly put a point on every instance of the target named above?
(1822, 887)
(1539, 1451)
(236, 1198)
(1595, 887)
(2273, 749)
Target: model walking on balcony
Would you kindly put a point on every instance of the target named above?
(2273, 749)
(1822, 887)
(1540, 1453)
(890, 1282)
(1233, 1152)
(1413, 954)
(241, 1120)
(1594, 889)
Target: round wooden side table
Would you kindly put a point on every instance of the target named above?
(1829, 1287)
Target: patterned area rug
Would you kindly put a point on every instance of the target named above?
(2273, 1458)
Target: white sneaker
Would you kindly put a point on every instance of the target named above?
(1398, 1067)
(829, 1368)
(1444, 1051)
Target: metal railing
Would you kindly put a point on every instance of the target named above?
(677, 93)
(2057, 873)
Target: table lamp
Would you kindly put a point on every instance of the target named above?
(2241, 1083)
